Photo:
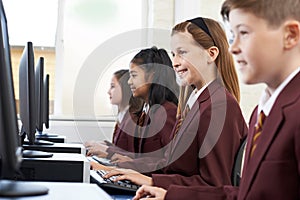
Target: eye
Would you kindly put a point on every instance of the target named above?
(181, 52)
(243, 32)
(133, 75)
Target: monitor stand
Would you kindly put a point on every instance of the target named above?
(10, 188)
(36, 154)
(39, 142)
(41, 134)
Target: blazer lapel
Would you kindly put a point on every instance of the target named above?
(120, 127)
(191, 122)
(250, 135)
(270, 130)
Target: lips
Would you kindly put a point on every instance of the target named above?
(241, 62)
(132, 89)
(181, 72)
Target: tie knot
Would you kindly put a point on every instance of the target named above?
(261, 119)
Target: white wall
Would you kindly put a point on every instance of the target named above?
(157, 14)
(81, 131)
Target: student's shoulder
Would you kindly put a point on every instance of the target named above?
(168, 108)
(169, 105)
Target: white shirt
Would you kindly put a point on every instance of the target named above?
(122, 114)
(267, 99)
(146, 107)
(195, 94)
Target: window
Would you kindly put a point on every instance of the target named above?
(67, 33)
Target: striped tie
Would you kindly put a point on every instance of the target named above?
(142, 118)
(180, 119)
(258, 130)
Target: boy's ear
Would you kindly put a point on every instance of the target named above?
(292, 34)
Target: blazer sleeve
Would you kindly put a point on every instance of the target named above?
(202, 192)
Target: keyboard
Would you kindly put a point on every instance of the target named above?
(110, 185)
(103, 161)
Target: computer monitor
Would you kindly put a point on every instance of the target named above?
(46, 101)
(27, 100)
(10, 151)
(28, 97)
(42, 100)
(39, 90)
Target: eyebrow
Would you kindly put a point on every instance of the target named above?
(178, 48)
(239, 25)
(133, 71)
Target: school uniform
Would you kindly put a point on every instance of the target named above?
(273, 170)
(153, 136)
(157, 128)
(204, 149)
(123, 132)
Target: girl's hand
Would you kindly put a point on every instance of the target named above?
(131, 175)
(150, 192)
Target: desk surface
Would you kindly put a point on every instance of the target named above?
(62, 191)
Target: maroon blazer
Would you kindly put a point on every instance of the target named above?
(154, 136)
(159, 125)
(123, 136)
(203, 152)
(274, 170)
(123, 133)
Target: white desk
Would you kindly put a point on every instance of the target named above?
(69, 191)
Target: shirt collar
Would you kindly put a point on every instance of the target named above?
(267, 99)
(122, 114)
(195, 94)
(146, 107)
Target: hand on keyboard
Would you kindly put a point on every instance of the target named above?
(131, 175)
(112, 183)
(94, 165)
(103, 161)
(118, 158)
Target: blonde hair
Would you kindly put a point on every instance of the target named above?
(184, 94)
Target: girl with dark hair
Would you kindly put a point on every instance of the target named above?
(153, 80)
(128, 106)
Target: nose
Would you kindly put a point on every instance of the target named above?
(176, 62)
(234, 47)
(129, 81)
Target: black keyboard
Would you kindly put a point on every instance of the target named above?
(109, 184)
(103, 161)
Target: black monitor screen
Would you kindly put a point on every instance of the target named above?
(46, 101)
(10, 152)
(8, 118)
(39, 91)
(42, 100)
(27, 93)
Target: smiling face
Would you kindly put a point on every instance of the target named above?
(190, 60)
(139, 83)
(257, 48)
(115, 92)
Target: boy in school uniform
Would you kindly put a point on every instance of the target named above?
(266, 46)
